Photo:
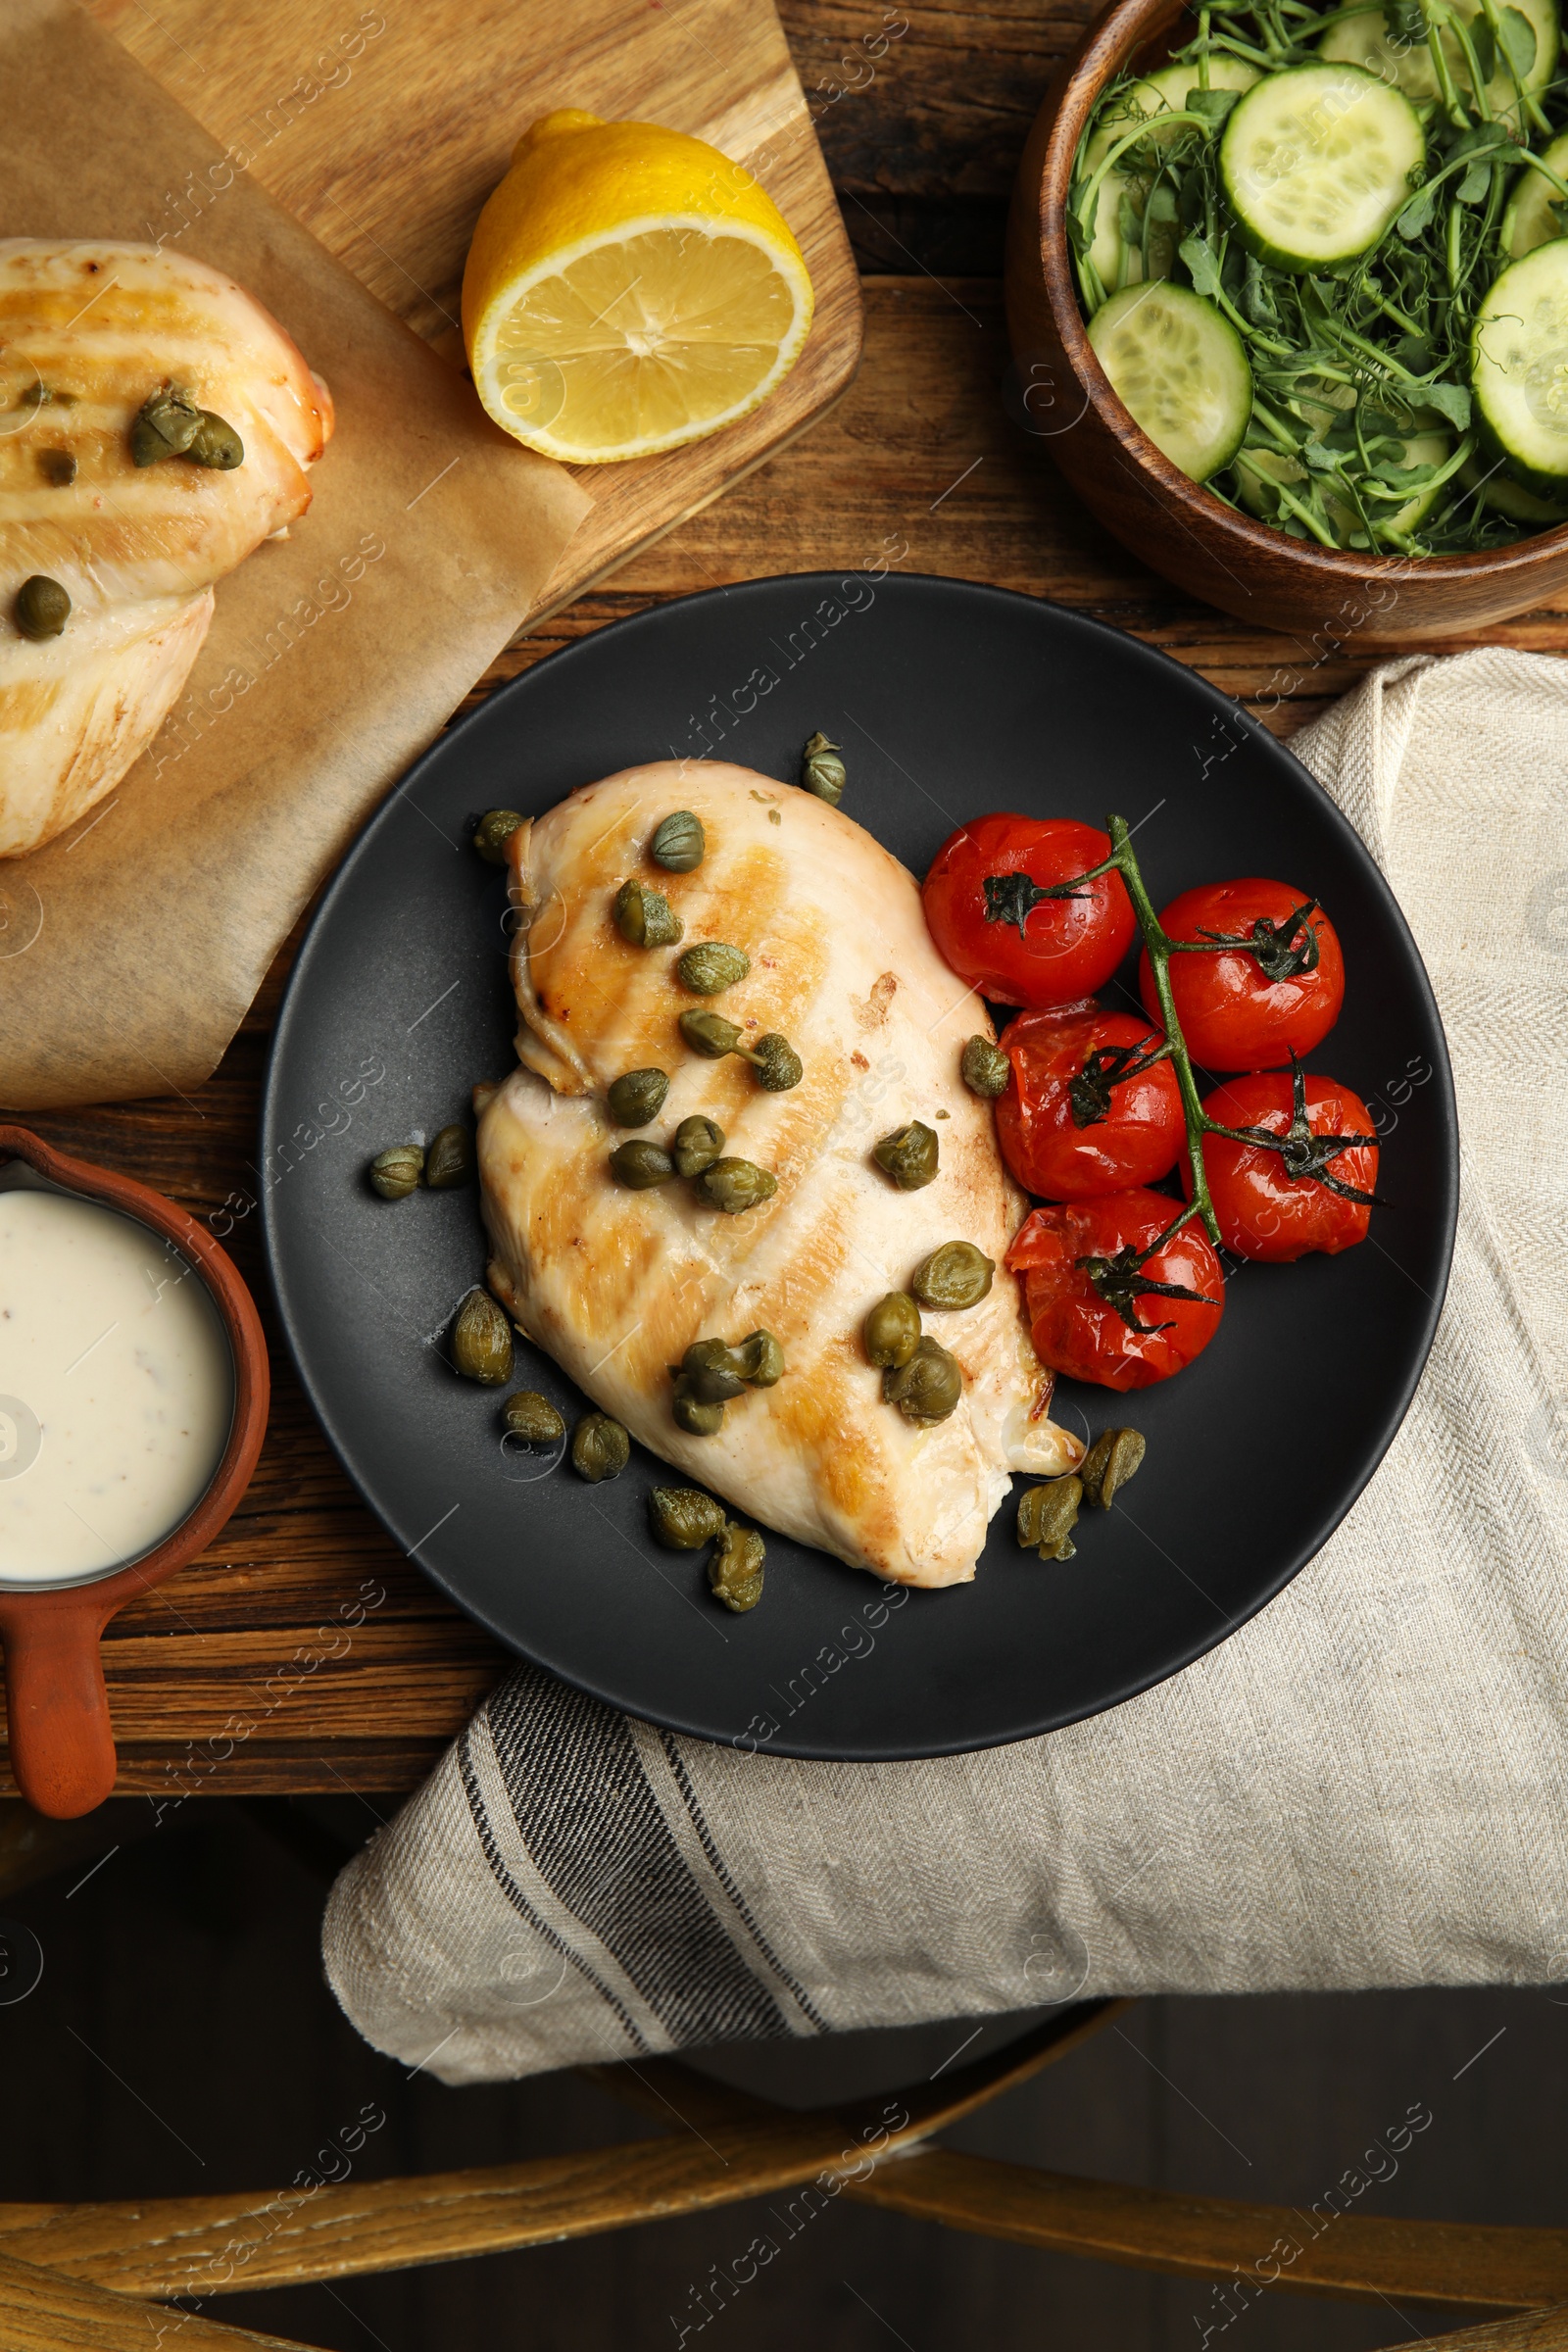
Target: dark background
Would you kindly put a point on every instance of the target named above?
(181, 2038)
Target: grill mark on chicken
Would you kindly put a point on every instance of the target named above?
(26, 703)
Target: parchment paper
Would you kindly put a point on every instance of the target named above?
(130, 948)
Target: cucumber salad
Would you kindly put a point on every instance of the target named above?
(1322, 258)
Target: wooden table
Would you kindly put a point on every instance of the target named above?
(252, 1671)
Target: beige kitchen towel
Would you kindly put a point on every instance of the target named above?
(1364, 1785)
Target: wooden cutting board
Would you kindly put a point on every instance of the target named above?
(384, 133)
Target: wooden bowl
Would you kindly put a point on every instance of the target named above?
(61, 1743)
(1245, 566)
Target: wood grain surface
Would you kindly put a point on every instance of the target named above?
(42, 2311)
(215, 2245)
(304, 1654)
(1367, 2258)
(384, 132)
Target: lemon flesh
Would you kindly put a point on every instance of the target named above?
(628, 291)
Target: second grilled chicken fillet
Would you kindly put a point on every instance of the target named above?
(88, 329)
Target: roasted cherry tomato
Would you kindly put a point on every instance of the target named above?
(1244, 1007)
(1096, 1289)
(987, 910)
(1088, 1110)
(1315, 1195)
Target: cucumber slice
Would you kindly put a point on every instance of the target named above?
(1180, 368)
(1316, 162)
(1505, 496)
(1119, 258)
(1364, 40)
(1529, 220)
(1161, 93)
(1258, 470)
(1519, 369)
(1421, 449)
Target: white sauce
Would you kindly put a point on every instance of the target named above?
(117, 1389)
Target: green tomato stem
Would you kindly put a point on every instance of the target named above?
(1157, 947)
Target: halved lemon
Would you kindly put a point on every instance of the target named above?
(629, 289)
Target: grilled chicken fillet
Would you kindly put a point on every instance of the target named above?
(87, 331)
(616, 1284)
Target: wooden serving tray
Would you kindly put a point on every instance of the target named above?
(384, 133)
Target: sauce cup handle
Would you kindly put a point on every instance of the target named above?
(61, 1745)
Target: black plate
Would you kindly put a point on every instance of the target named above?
(948, 700)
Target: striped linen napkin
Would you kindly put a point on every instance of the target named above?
(1362, 1787)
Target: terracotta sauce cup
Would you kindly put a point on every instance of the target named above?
(61, 1745)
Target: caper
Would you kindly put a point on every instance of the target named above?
(1112, 1460)
(164, 426)
(532, 1418)
(777, 1065)
(928, 1385)
(710, 1034)
(711, 966)
(698, 1144)
(449, 1162)
(714, 1372)
(697, 1419)
(493, 832)
(662, 925)
(637, 1095)
(736, 1185)
(679, 842)
(1047, 1517)
(892, 1330)
(985, 1069)
(640, 1165)
(822, 772)
(396, 1173)
(42, 608)
(216, 444)
(683, 1518)
(761, 1359)
(711, 1372)
(600, 1448)
(908, 1155)
(735, 1570)
(59, 467)
(481, 1341)
(644, 918)
(955, 1275)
